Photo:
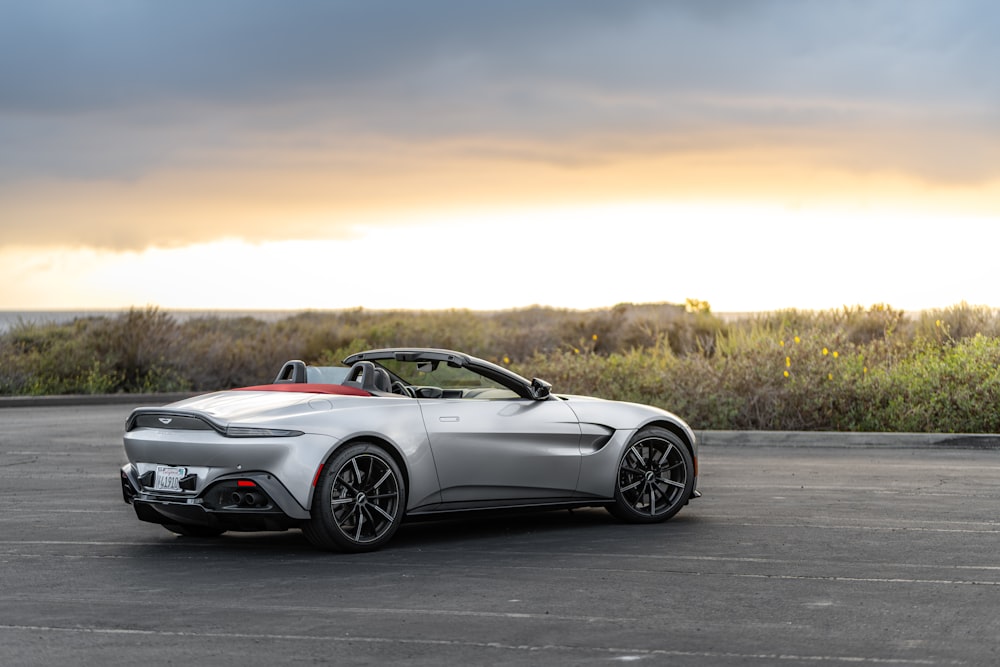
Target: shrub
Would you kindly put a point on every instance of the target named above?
(855, 368)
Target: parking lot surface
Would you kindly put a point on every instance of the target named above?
(794, 556)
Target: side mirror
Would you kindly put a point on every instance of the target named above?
(540, 389)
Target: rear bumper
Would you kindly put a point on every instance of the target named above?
(246, 502)
(194, 515)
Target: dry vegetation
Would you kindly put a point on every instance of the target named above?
(863, 369)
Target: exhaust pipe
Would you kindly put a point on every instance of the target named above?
(245, 499)
(249, 499)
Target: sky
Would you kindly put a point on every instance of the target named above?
(754, 154)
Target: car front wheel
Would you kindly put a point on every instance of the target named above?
(358, 502)
(655, 477)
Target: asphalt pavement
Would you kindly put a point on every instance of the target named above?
(805, 549)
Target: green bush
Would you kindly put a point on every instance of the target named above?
(855, 368)
(950, 388)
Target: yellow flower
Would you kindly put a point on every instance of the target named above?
(829, 376)
(865, 370)
(786, 373)
(937, 323)
(798, 340)
(594, 337)
(506, 359)
(788, 362)
(781, 343)
(825, 351)
(836, 354)
(576, 350)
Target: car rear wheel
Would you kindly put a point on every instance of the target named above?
(655, 477)
(358, 502)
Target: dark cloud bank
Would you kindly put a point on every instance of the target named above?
(115, 91)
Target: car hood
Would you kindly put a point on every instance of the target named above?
(619, 414)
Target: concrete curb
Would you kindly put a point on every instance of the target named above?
(851, 439)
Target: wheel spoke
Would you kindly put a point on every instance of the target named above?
(337, 502)
(631, 486)
(343, 479)
(665, 453)
(663, 493)
(361, 523)
(345, 522)
(634, 452)
(387, 475)
(671, 482)
(379, 510)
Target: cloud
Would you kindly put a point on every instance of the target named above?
(130, 124)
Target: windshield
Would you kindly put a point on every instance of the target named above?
(455, 382)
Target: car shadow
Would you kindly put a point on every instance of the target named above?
(555, 528)
(478, 528)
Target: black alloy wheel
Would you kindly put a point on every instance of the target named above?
(359, 500)
(655, 477)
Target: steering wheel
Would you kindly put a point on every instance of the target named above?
(402, 389)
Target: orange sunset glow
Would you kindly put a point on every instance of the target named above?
(256, 155)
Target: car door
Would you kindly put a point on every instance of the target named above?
(503, 452)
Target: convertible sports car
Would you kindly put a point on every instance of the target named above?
(346, 454)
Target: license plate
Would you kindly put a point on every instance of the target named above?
(168, 478)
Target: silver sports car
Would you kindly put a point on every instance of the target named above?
(346, 454)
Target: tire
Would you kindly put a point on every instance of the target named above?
(189, 530)
(359, 500)
(655, 477)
